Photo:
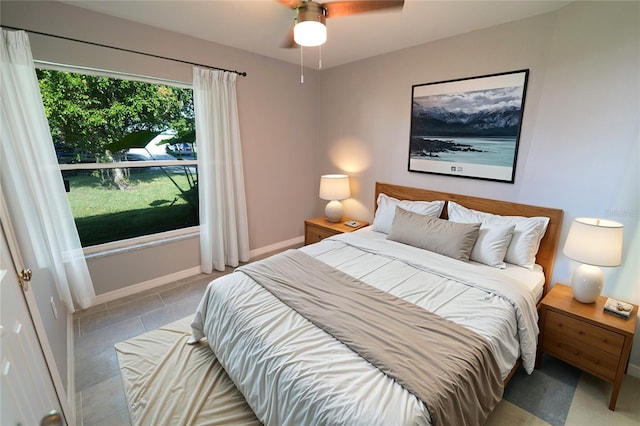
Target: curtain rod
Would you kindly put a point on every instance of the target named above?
(241, 73)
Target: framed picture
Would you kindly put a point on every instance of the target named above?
(468, 127)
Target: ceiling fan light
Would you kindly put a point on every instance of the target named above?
(310, 33)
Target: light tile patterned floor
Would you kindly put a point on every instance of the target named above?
(100, 397)
(557, 394)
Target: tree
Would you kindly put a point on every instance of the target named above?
(141, 138)
(87, 112)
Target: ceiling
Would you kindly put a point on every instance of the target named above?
(261, 26)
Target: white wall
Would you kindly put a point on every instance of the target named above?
(579, 148)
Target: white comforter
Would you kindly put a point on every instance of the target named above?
(292, 373)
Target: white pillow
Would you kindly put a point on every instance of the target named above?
(527, 233)
(492, 244)
(387, 210)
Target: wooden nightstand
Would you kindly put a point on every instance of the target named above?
(319, 228)
(585, 337)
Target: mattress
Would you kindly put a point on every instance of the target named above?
(292, 372)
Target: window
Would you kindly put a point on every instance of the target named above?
(127, 153)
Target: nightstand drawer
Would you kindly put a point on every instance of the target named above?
(584, 357)
(314, 234)
(592, 335)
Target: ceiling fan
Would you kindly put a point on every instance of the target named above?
(309, 26)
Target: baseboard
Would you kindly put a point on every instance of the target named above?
(146, 285)
(633, 370)
(166, 279)
(277, 246)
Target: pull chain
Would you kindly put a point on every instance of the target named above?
(320, 57)
(301, 66)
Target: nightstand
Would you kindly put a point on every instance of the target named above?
(586, 337)
(319, 228)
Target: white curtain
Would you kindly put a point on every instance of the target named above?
(224, 237)
(31, 181)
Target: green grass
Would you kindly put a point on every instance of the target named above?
(151, 204)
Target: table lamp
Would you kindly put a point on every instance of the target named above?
(334, 188)
(594, 243)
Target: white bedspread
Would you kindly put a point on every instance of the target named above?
(292, 373)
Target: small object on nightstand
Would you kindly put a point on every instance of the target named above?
(618, 308)
(352, 223)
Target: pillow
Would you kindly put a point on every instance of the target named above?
(527, 233)
(387, 209)
(492, 243)
(434, 234)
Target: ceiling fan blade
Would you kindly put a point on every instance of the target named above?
(291, 4)
(353, 7)
(289, 42)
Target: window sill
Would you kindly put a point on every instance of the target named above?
(139, 243)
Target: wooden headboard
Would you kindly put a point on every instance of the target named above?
(549, 244)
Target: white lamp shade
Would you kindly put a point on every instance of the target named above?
(310, 33)
(334, 187)
(595, 242)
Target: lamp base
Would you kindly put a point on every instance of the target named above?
(587, 283)
(333, 211)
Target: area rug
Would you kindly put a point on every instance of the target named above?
(168, 382)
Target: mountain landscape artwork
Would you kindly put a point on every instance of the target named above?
(468, 127)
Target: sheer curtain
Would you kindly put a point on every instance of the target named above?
(31, 181)
(224, 236)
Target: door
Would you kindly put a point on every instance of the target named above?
(27, 389)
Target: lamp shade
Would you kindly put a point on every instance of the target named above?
(310, 33)
(596, 242)
(310, 28)
(334, 187)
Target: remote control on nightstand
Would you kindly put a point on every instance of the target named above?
(352, 224)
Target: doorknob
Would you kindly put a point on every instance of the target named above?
(53, 418)
(25, 277)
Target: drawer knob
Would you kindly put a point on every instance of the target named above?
(576, 352)
(597, 362)
(580, 332)
(604, 340)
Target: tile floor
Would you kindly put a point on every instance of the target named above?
(100, 398)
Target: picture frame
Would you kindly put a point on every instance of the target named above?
(468, 127)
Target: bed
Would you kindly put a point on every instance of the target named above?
(319, 335)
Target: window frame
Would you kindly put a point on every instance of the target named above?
(135, 243)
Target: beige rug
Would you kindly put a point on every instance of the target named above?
(168, 382)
